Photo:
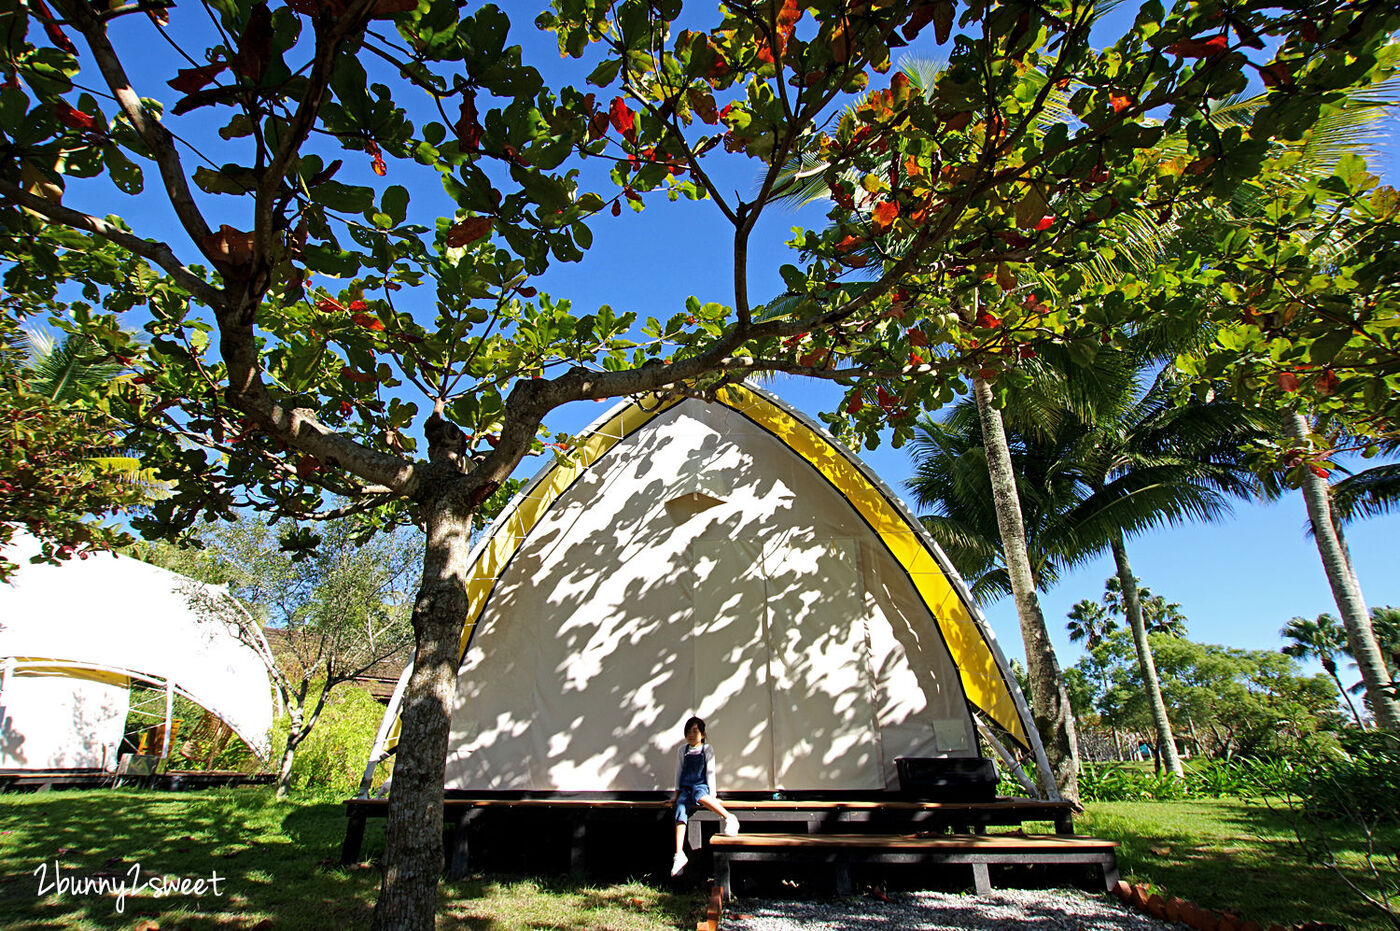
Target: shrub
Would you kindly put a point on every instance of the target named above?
(331, 760)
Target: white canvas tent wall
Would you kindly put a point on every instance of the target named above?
(75, 635)
(729, 559)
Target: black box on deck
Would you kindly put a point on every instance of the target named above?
(947, 779)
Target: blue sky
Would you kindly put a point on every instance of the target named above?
(1238, 581)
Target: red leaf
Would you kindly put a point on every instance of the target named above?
(617, 208)
(886, 399)
(255, 45)
(1318, 470)
(1327, 382)
(359, 378)
(987, 322)
(917, 21)
(329, 305)
(917, 337)
(74, 119)
(383, 9)
(1199, 48)
(1044, 223)
(1276, 75)
(379, 167)
(885, 213)
(958, 120)
(856, 402)
(307, 465)
(703, 103)
(942, 21)
(358, 306)
(915, 359)
(1288, 381)
(622, 119)
(189, 80)
(1119, 103)
(468, 126)
(56, 35)
(849, 243)
(368, 322)
(468, 231)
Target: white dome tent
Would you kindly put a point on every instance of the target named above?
(729, 559)
(75, 636)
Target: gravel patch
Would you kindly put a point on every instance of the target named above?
(1021, 909)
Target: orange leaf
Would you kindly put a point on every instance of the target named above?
(229, 247)
(368, 322)
(468, 126)
(1119, 103)
(886, 212)
(359, 378)
(329, 305)
(468, 231)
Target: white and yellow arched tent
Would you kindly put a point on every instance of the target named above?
(724, 558)
(75, 636)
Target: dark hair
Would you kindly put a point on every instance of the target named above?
(698, 722)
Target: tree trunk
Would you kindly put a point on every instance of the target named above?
(1132, 607)
(1051, 702)
(284, 769)
(413, 848)
(1346, 591)
(1331, 667)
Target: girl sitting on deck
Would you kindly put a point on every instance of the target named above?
(695, 781)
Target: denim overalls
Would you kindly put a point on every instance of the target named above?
(692, 785)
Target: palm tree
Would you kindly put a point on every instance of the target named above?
(1091, 624)
(1321, 639)
(1102, 459)
(67, 370)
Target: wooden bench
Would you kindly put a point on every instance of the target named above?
(978, 850)
(813, 817)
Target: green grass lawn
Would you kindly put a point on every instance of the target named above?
(1228, 854)
(276, 862)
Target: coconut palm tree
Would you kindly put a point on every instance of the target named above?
(1106, 462)
(1322, 639)
(67, 370)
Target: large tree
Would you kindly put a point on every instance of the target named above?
(316, 330)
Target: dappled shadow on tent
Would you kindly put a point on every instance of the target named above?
(701, 567)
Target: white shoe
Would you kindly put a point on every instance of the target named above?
(731, 826)
(678, 863)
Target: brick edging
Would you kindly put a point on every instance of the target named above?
(1171, 908)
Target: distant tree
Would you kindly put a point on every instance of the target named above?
(1235, 701)
(342, 609)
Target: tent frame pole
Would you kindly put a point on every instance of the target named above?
(1011, 765)
(169, 710)
(377, 753)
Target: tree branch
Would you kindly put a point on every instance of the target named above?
(157, 252)
(156, 136)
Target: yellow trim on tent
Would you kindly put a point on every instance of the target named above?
(34, 666)
(977, 666)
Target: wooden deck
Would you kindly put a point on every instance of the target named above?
(38, 780)
(840, 851)
(462, 815)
